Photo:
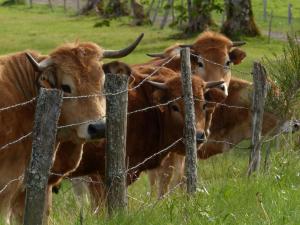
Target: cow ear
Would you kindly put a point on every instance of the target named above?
(116, 67)
(159, 97)
(47, 79)
(214, 95)
(237, 55)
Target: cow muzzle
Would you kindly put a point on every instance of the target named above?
(200, 137)
(92, 131)
(97, 130)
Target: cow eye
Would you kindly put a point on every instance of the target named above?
(175, 108)
(200, 64)
(66, 88)
(227, 64)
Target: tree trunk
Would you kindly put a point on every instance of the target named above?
(199, 15)
(239, 19)
(138, 13)
(90, 5)
(115, 8)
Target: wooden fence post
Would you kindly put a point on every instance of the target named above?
(290, 15)
(116, 125)
(30, 3)
(270, 27)
(265, 9)
(190, 127)
(258, 103)
(43, 146)
(65, 6)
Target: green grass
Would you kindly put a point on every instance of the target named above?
(231, 198)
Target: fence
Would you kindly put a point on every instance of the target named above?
(49, 102)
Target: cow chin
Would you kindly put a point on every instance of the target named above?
(91, 131)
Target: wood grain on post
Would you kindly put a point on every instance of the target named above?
(44, 137)
(116, 124)
(190, 127)
(258, 103)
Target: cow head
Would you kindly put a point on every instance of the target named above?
(211, 57)
(174, 112)
(76, 69)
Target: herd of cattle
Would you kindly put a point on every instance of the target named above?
(77, 70)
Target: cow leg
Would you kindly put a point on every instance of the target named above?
(18, 206)
(165, 174)
(67, 159)
(179, 168)
(97, 192)
(153, 178)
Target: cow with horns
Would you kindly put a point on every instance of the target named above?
(74, 68)
(164, 123)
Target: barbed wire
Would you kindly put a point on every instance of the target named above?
(15, 141)
(18, 105)
(220, 65)
(10, 182)
(129, 89)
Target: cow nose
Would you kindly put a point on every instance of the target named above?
(97, 130)
(200, 137)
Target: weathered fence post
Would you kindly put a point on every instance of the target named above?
(290, 15)
(258, 103)
(65, 6)
(265, 9)
(43, 145)
(190, 127)
(270, 27)
(78, 6)
(116, 124)
(29, 3)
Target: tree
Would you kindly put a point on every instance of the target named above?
(115, 8)
(199, 15)
(138, 13)
(239, 19)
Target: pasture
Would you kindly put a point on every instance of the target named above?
(225, 194)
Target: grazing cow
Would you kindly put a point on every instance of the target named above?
(75, 68)
(212, 55)
(230, 125)
(148, 132)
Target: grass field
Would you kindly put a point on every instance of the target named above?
(225, 194)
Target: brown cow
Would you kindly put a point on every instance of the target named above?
(216, 52)
(230, 125)
(212, 55)
(75, 68)
(163, 125)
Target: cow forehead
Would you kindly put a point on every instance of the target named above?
(175, 86)
(209, 40)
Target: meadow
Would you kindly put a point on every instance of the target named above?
(225, 194)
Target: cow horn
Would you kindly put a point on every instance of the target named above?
(159, 85)
(212, 84)
(238, 43)
(39, 66)
(156, 55)
(123, 52)
(185, 46)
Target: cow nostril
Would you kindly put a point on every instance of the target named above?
(222, 87)
(200, 137)
(96, 130)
